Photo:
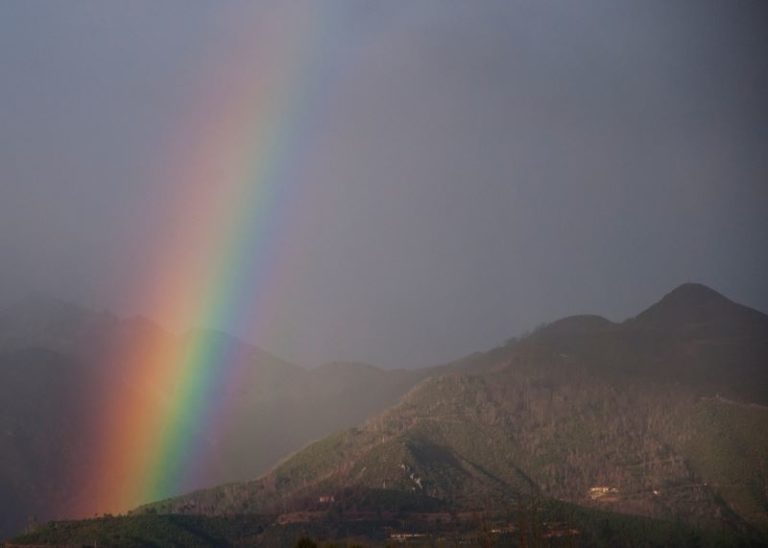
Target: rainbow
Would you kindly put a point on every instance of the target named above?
(233, 188)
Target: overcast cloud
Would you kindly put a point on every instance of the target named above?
(476, 168)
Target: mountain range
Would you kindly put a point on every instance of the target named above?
(58, 374)
(662, 416)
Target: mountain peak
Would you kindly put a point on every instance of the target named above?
(693, 293)
(688, 298)
(694, 304)
(576, 325)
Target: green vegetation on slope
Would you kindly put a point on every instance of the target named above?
(608, 416)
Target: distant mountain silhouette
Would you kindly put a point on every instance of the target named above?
(38, 320)
(57, 378)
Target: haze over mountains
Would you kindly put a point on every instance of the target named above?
(296, 253)
(57, 381)
(666, 410)
(662, 415)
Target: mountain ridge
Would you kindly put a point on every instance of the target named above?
(694, 304)
(578, 406)
(60, 365)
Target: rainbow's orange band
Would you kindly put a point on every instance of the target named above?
(211, 268)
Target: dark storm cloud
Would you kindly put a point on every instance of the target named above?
(480, 168)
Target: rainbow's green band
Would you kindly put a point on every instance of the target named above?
(233, 186)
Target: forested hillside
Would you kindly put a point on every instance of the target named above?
(659, 416)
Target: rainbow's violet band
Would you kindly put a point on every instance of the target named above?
(214, 265)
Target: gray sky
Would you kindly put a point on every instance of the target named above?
(472, 169)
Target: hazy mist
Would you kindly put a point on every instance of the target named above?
(470, 170)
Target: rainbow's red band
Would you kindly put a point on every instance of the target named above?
(215, 263)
